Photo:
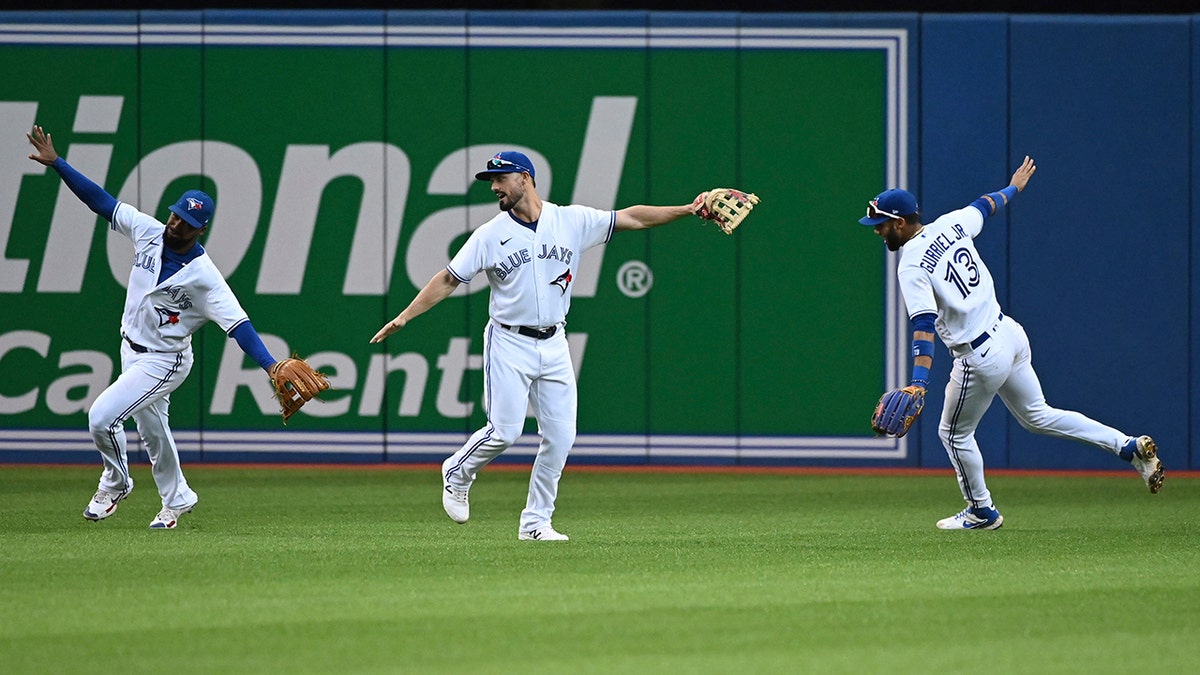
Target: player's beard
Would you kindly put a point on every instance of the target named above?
(508, 201)
(172, 242)
(179, 244)
(892, 238)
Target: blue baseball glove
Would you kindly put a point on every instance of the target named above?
(897, 410)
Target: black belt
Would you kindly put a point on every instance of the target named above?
(135, 346)
(984, 336)
(532, 332)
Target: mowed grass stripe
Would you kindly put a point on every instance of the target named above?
(312, 570)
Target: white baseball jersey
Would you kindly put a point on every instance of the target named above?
(530, 271)
(162, 317)
(940, 271)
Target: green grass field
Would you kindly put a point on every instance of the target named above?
(345, 570)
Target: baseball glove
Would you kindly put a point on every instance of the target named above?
(897, 410)
(726, 207)
(295, 383)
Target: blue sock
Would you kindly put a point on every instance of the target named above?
(1128, 450)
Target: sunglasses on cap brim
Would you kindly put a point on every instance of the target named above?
(874, 212)
(497, 163)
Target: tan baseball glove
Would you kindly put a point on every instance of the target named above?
(726, 207)
(295, 383)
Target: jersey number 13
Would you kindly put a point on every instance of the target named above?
(962, 258)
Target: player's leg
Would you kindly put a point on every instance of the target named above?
(144, 379)
(554, 397)
(974, 380)
(508, 365)
(1022, 395)
(106, 423)
(152, 423)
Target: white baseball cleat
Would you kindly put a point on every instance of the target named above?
(454, 500)
(104, 504)
(168, 518)
(543, 533)
(1146, 461)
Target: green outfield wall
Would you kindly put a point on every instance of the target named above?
(341, 153)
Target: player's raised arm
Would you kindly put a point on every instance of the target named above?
(91, 194)
(439, 288)
(992, 202)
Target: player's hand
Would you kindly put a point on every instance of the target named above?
(45, 146)
(389, 328)
(1021, 177)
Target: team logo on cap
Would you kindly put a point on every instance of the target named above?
(194, 204)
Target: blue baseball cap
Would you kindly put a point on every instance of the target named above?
(507, 162)
(894, 203)
(195, 208)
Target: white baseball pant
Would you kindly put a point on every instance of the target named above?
(142, 392)
(520, 372)
(1001, 365)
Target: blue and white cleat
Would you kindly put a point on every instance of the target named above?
(981, 518)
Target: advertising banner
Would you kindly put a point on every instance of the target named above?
(340, 150)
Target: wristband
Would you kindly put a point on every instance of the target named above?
(920, 377)
(922, 348)
(1003, 197)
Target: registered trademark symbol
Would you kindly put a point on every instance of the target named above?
(635, 279)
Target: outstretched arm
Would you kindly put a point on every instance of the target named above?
(250, 342)
(94, 196)
(992, 202)
(643, 217)
(439, 288)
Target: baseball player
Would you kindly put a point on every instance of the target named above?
(529, 253)
(174, 288)
(948, 289)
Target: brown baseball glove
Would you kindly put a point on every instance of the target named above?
(726, 207)
(295, 383)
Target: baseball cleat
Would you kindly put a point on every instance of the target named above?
(104, 504)
(454, 500)
(544, 533)
(168, 518)
(981, 518)
(1145, 460)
